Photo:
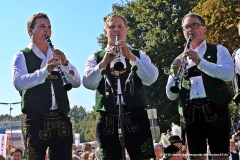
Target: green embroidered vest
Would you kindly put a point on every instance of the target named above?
(107, 103)
(216, 90)
(39, 99)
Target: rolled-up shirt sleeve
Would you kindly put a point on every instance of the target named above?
(223, 69)
(23, 80)
(92, 75)
(147, 72)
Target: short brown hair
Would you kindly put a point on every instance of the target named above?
(115, 16)
(31, 22)
(191, 14)
(14, 150)
(86, 144)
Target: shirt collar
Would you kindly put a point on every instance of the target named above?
(202, 46)
(38, 53)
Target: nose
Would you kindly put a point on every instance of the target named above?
(117, 29)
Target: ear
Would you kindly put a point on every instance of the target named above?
(29, 31)
(105, 32)
(205, 29)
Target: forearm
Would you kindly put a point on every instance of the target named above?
(170, 83)
(224, 71)
(147, 72)
(23, 81)
(92, 76)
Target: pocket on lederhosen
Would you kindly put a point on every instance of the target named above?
(199, 110)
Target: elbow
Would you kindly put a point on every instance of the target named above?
(87, 84)
(151, 80)
(78, 84)
(17, 86)
(229, 77)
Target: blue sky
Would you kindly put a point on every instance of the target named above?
(76, 24)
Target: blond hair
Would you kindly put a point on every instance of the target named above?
(112, 17)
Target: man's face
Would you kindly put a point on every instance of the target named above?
(87, 149)
(178, 156)
(16, 156)
(159, 152)
(115, 26)
(42, 27)
(74, 147)
(193, 26)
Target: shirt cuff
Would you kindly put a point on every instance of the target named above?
(137, 62)
(203, 64)
(45, 71)
(96, 68)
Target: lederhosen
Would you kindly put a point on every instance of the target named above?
(138, 140)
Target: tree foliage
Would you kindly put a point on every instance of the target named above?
(222, 18)
(84, 123)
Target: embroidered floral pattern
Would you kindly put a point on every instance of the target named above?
(147, 147)
(109, 125)
(132, 127)
(103, 153)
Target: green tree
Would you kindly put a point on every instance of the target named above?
(87, 127)
(222, 17)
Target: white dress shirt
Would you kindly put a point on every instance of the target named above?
(223, 69)
(237, 62)
(23, 80)
(147, 72)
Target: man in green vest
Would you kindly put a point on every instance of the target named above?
(45, 103)
(117, 88)
(203, 93)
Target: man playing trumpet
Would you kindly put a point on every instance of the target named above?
(136, 124)
(204, 94)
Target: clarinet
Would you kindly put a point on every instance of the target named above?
(181, 69)
(66, 85)
(118, 65)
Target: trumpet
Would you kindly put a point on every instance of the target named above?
(118, 65)
(181, 69)
(66, 85)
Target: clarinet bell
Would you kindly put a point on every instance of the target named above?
(174, 89)
(118, 66)
(67, 86)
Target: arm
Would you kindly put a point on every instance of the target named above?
(146, 70)
(69, 70)
(170, 83)
(223, 70)
(92, 76)
(23, 80)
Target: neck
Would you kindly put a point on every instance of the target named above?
(42, 46)
(195, 44)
